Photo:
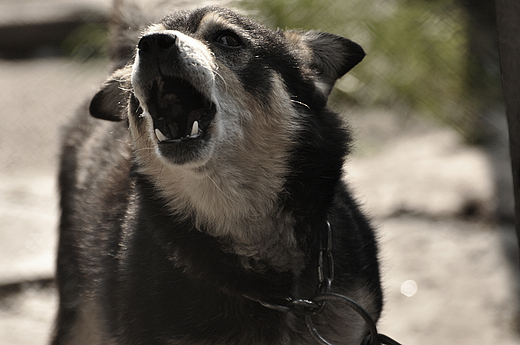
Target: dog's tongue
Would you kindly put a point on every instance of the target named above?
(180, 113)
(176, 109)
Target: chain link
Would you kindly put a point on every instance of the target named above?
(325, 261)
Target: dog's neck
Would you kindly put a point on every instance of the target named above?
(236, 204)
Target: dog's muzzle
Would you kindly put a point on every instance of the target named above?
(179, 111)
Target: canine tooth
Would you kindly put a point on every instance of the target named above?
(195, 128)
(159, 135)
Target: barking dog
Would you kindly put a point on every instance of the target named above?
(197, 211)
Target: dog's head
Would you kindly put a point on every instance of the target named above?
(229, 121)
(202, 82)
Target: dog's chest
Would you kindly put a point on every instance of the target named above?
(180, 285)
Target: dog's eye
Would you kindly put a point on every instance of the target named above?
(229, 40)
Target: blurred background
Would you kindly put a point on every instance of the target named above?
(430, 163)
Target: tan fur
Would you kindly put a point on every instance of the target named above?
(242, 174)
(241, 171)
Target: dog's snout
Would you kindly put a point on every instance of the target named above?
(158, 43)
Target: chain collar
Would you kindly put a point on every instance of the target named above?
(325, 278)
(313, 306)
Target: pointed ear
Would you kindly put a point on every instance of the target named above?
(110, 102)
(331, 56)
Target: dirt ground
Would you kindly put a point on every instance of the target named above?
(447, 266)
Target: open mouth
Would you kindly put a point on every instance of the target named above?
(178, 110)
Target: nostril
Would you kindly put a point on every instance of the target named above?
(165, 42)
(156, 41)
(144, 45)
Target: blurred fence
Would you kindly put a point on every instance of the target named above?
(433, 57)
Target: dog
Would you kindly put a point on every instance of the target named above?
(196, 194)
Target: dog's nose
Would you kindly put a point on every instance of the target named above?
(157, 43)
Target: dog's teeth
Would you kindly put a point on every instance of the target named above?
(159, 135)
(195, 128)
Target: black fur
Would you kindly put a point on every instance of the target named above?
(156, 279)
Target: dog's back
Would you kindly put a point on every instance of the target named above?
(197, 236)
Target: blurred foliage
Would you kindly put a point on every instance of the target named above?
(87, 41)
(433, 57)
(418, 57)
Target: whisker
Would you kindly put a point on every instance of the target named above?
(136, 140)
(218, 188)
(145, 149)
(301, 103)
(217, 74)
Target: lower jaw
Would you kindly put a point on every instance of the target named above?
(191, 151)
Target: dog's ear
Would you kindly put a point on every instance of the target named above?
(331, 56)
(110, 102)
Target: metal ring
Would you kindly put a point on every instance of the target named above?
(314, 333)
(372, 339)
(352, 304)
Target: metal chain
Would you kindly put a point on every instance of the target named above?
(314, 306)
(324, 294)
(325, 269)
(325, 278)
(374, 338)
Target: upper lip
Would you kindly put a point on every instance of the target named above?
(179, 111)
